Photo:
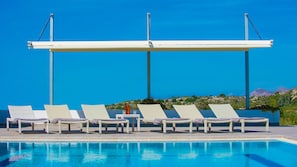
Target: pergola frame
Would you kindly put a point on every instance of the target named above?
(150, 46)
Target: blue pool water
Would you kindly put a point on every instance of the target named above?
(146, 154)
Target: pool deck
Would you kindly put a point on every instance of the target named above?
(152, 134)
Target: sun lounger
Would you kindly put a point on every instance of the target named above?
(24, 114)
(191, 111)
(60, 114)
(98, 114)
(153, 113)
(227, 111)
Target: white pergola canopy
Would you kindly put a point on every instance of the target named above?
(148, 46)
(158, 45)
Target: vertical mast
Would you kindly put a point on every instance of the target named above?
(148, 56)
(51, 62)
(247, 79)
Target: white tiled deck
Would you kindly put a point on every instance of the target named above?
(151, 134)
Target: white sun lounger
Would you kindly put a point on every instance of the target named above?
(24, 114)
(153, 113)
(60, 114)
(227, 111)
(98, 114)
(191, 111)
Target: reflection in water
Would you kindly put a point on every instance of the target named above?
(94, 153)
(152, 151)
(139, 153)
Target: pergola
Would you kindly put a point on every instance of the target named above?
(151, 46)
(160, 45)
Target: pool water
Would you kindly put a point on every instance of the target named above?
(219, 153)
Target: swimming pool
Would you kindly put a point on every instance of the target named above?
(216, 153)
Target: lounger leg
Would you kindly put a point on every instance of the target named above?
(209, 127)
(173, 127)
(81, 127)
(242, 126)
(205, 126)
(7, 124)
(164, 126)
(47, 127)
(20, 126)
(122, 125)
(100, 126)
(127, 128)
(231, 126)
(44, 128)
(191, 127)
(87, 126)
(267, 125)
(32, 124)
(59, 123)
(117, 128)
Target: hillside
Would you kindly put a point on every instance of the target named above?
(274, 101)
(284, 101)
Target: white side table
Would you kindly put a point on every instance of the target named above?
(132, 116)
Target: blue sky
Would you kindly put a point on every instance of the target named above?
(114, 77)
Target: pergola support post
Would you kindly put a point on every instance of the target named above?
(247, 74)
(247, 81)
(148, 56)
(148, 74)
(51, 62)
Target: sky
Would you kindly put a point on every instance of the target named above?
(112, 77)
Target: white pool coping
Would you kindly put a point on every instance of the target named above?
(154, 134)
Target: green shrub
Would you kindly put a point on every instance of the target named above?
(288, 118)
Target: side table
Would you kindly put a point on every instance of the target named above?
(133, 117)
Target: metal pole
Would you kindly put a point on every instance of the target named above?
(148, 20)
(148, 74)
(246, 26)
(51, 62)
(148, 56)
(247, 74)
